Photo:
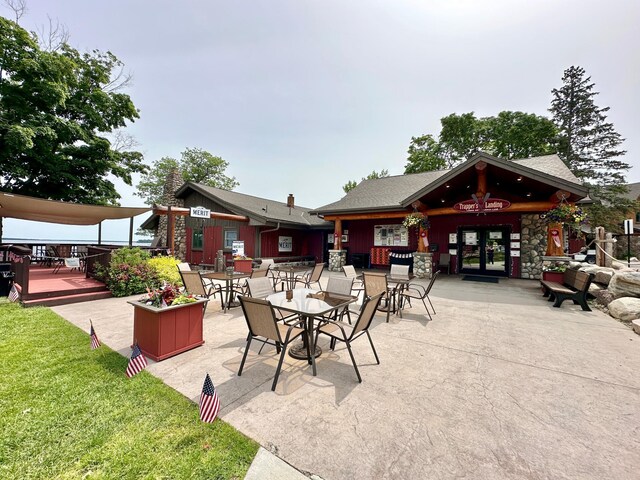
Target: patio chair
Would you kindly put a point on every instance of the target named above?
(341, 331)
(419, 292)
(261, 287)
(399, 271)
(313, 277)
(376, 283)
(243, 289)
(194, 284)
(262, 322)
(444, 262)
(350, 272)
(341, 286)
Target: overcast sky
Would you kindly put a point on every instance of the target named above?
(302, 96)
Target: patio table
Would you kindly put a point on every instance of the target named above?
(396, 284)
(289, 274)
(309, 304)
(227, 300)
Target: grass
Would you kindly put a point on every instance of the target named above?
(69, 412)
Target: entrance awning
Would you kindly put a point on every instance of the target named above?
(54, 211)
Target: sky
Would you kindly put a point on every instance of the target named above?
(301, 96)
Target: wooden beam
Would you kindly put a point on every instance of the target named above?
(184, 212)
(366, 216)
(481, 170)
(560, 195)
(171, 231)
(131, 232)
(531, 207)
(337, 238)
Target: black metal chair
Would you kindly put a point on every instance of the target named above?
(414, 290)
(344, 332)
(262, 322)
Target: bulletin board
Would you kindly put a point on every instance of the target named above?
(390, 236)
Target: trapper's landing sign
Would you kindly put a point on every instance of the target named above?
(491, 205)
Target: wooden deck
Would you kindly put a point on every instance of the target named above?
(65, 286)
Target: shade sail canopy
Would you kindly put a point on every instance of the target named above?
(54, 211)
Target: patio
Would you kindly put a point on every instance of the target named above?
(499, 385)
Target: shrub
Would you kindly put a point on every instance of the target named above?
(166, 269)
(128, 272)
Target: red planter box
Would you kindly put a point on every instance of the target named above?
(164, 332)
(243, 266)
(553, 276)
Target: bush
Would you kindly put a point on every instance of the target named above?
(129, 272)
(166, 269)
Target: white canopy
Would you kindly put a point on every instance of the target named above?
(54, 211)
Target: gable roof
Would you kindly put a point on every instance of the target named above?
(633, 191)
(260, 210)
(398, 192)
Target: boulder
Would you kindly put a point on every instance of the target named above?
(636, 326)
(604, 275)
(625, 284)
(617, 265)
(603, 297)
(625, 308)
(576, 265)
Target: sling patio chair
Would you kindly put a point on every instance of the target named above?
(341, 331)
(419, 292)
(444, 262)
(341, 286)
(376, 283)
(194, 284)
(261, 287)
(263, 324)
(257, 273)
(350, 272)
(313, 277)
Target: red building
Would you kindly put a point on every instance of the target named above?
(486, 215)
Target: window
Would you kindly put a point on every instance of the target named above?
(196, 240)
(229, 237)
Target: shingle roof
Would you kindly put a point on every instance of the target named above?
(261, 209)
(634, 191)
(389, 193)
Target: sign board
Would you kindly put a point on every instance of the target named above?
(491, 205)
(390, 235)
(628, 226)
(285, 244)
(453, 238)
(200, 212)
(330, 238)
(515, 245)
(237, 248)
(453, 251)
(470, 238)
(495, 235)
(515, 253)
(515, 236)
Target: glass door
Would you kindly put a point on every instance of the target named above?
(484, 250)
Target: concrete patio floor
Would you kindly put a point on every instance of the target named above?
(499, 385)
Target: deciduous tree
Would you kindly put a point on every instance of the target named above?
(351, 184)
(195, 165)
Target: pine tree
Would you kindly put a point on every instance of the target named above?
(589, 145)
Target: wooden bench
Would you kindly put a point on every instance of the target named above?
(574, 286)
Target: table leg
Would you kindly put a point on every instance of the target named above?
(299, 351)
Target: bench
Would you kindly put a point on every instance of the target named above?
(574, 286)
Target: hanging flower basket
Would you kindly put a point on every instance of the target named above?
(416, 219)
(567, 214)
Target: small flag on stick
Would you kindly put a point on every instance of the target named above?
(209, 403)
(137, 361)
(95, 343)
(14, 296)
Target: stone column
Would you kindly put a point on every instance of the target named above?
(337, 259)
(422, 264)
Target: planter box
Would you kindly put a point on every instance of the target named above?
(244, 266)
(553, 276)
(164, 332)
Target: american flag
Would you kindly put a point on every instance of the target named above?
(137, 361)
(14, 296)
(209, 402)
(95, 343)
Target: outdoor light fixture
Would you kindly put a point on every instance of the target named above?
(519, 179)
(442, 200)
(528, 194)
(447, 186)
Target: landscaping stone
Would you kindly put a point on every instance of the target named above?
(604, 275)
(636, 326)
(625, 284)
(616, 265)
(603, 297)
(626, 308)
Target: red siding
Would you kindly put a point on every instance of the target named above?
(305, 242)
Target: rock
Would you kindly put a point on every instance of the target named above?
(604, 275)
(603, 297)
(575, 265)
(625, 308)
(636, 326)
(616, 265)
(594, 287)
(625, 284)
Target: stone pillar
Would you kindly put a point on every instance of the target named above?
(337, 259)
(422, 264)
(172, 183)
(533, 243)
(608, 248)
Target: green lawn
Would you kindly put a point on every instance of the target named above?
(67, 411)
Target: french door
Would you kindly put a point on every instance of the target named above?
(484, 250)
